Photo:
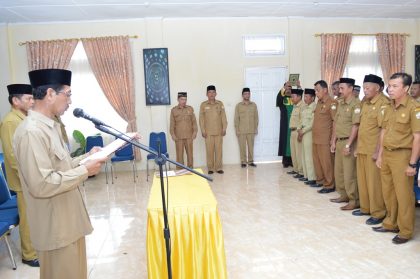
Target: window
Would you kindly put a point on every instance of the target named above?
(87, 95)
(363, 59)
(264, 45)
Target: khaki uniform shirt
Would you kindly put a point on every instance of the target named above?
(50, 181)
(295, 117)
(400, 123)
(212, 118)
(307, 117)
(371, 118)
(348, 114)
(324, 115)
(7, 129)
(183, 124)
(246, 118)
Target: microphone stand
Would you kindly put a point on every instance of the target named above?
(160, 160)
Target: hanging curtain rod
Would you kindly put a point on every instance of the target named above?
(79, 39)
(319, 34)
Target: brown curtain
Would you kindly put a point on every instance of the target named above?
(50, 54)
(391, 48)
(111, 63)
(334, 54)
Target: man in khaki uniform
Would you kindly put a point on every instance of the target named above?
(50, 180)
(183, 129)
(356, 91)
(398, 154)
(322, 131)
(335, 89)
(295, 145)
(368, 176)
(305, 135)
(415, 91)
(346, 124)
(213, 125)
(246, 127)
(21, 100)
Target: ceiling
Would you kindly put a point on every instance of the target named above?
(28, 11)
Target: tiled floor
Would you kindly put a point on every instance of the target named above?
(274, 227)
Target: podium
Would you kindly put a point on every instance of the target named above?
(197, 246)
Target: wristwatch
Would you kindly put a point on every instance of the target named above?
(412, 165)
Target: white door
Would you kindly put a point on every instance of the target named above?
(265, 83)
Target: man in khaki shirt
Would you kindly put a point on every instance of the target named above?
(368, 175)
(398, 153)
(246, 127)
(415, 90)
(346, 124)
(295, 145)
(50, 180)
(21, 100)
(213, 125)
(183, 129)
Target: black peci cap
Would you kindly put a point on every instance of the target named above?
(49, 76)
(15, 89)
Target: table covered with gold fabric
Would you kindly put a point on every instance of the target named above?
(196, 232)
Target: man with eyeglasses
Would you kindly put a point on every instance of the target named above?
(50, 180)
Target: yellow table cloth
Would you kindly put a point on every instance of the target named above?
(196, 231)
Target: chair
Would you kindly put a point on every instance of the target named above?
(7, 201)
(9, 218)
(97, 140)
(125, 153)
(154, 139)
(2, 165)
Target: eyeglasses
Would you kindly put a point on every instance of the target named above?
(68, 93)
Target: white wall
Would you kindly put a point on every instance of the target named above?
(202, 51)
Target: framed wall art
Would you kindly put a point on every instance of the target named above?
(156, 76)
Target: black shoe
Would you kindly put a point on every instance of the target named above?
(358, 212)
(399, 240)
(243, 165)
(297, 176)
(211, 172)
(310, 182)
(291, 172)
(33, 263)
(220, 171)
(374, 221)
(316, 185)
(252, 165)
(304, 179)
(326, 190)
(382, 229)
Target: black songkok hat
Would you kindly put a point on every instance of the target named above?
(297, 92)
(373, 79)
(357, 87)
(310, 91)
(182, 94)
(245, 89)
(211, 87)
(49, 76)
(15, 89)
(348, 80)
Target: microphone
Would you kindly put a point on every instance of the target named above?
(78, 112)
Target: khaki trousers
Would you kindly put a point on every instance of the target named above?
(296, 152)
(244, 141)
(307, 161)
(323, 164)
(398, 192)
(369, 185)
(214, 152)
(65, 263)
(345, 174)
(180, 146)
(28, 252)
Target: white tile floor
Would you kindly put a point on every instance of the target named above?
(274, 227)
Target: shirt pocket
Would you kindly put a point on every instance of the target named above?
(402, 124)
(59, 153)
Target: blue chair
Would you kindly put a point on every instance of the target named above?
(154, 139)
(7, 201)
(124, 154)
(2, 165)
(97, 140)
(9, 218)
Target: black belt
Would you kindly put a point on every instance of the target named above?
(395, 149)
(293, 129)
(345, 138)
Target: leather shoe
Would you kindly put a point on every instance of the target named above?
(339, 200)
(326, 190)
(33, 263)
(243, 165)
(382, 229)
(374, 221)
(359, 213)
(291, 172)
(310, 182)
(211, 172)
(298, 176)
(252, 165)
(304, 179)
(349, 206)
(316, 185)
(399, 240)
(220, 171)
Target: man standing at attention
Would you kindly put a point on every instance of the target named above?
(183, 129)
(398, 154)
(21, 100)
(50, 179)
(343, 143)
(246, 127)
(213, 125)
(368, 175)
(295, 145)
